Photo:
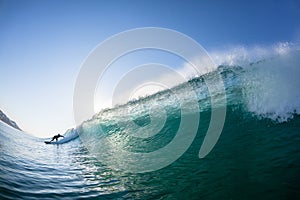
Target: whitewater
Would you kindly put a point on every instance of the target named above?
(256, 157)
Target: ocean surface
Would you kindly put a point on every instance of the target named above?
(256, 157)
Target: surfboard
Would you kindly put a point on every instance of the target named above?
(52, 142)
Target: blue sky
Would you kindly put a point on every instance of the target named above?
(43, 43)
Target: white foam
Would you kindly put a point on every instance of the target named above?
(271, 87)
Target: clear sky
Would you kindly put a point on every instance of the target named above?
(44, 42)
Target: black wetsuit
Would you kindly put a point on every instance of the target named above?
(55, 137)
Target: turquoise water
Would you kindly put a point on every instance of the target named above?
(256, 157)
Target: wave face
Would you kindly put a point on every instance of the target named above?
(257, 155)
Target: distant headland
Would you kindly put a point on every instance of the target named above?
(8, 121)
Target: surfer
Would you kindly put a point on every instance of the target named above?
(55, 137)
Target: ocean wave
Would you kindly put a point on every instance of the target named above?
(267, 88)
(253, 149)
